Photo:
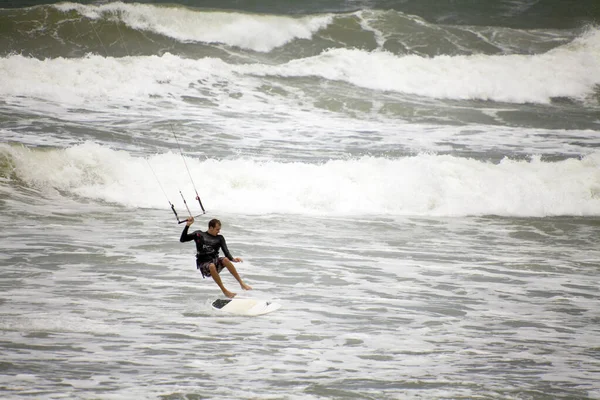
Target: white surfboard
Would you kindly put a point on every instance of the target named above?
(249, 307)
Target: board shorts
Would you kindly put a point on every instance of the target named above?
(203, 266)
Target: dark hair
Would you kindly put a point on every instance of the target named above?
(213, 223)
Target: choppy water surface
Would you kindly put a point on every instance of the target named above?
(418, 184)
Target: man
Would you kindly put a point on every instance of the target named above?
(208, 261)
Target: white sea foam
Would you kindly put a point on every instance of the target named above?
(567, 71)
(96, 78)
(193, 25)
(435, 185)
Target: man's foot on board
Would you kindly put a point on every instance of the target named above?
(246, 287)
(229, 294)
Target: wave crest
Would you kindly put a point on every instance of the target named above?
(425, 184)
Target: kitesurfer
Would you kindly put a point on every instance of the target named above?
(208, 245)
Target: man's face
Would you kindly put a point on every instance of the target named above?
(215, 231)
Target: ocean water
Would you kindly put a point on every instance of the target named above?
(416, 182)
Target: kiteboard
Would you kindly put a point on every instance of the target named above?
(240, 306)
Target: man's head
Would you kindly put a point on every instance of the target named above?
(214, 226)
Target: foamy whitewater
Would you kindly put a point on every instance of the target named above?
(416, 183)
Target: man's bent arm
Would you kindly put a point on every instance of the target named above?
(185, 236)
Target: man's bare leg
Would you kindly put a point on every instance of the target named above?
(233, 271)
(217, 278)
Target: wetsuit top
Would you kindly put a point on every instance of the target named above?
(207, 245)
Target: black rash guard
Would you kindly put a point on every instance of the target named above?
(207, 245)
